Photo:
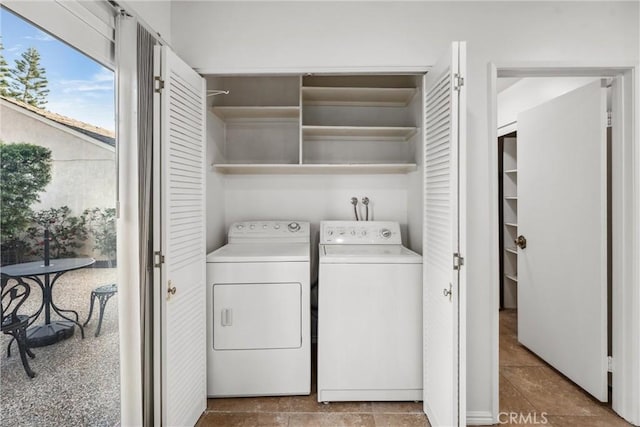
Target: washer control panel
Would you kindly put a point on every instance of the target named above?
(360, 233)
(269, 231)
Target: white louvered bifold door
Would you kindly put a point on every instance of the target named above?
(182, 216)
(443, 293)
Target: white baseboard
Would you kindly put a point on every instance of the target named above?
(480, 418)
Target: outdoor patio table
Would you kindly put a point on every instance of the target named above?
(51, 331)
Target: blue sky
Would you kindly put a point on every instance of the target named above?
(80, 87)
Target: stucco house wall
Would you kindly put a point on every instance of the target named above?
(84, 169)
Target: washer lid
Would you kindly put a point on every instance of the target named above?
(368, 254)
(261, 252)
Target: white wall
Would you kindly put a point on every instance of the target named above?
(216, 226)
(264, 36)
(155, 14)
(315, 198)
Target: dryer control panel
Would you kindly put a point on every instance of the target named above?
(360, 233)
(269, 231)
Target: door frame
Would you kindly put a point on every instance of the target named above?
(625, 219)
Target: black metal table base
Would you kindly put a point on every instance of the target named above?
(42, 335)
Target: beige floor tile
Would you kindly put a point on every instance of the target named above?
(401, 420)
(331, 420)
(243, 419)
(249, 404)
(512, 353)
(396, 407)
(550, 392)
(611, 420)
(311, 404)
(511, 400)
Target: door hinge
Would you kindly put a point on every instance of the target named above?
(609, 119)
(158, 84)
(609, 364)
(458, 82)
(159, 259)
(458, 261)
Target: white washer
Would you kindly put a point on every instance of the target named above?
(369, 314)
(258, 327)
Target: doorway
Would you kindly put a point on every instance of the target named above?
(520, 372)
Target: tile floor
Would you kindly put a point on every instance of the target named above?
(529, 386)
(306, 411)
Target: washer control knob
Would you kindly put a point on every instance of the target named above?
(353, 232)
(264, 226)
(293, 227)
(329, 232)
(277, 226)
(364, 233)
(385, 233)
(252, 226)
(239, 226)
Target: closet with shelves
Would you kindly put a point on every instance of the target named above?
(509, 192)
(316, 124)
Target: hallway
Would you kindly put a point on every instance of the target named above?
(529, 386)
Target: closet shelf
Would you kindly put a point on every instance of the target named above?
(511, 171)
(511, 224)
(512, 277)
(357, 96)
(511, 197)
(358, 133)
(254, 112)
(347, 169)
(512, 250)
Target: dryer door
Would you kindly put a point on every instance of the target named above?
(256, 316)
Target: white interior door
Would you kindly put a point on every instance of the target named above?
(182, 240)
(562, 213)
(443, 287)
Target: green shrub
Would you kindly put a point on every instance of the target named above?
(102, 225)
(66, 232)
(25, 170)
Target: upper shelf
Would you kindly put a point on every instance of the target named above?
(252, 112)
(358, 96)
(370, 133)
(347, 169)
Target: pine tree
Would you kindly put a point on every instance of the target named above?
(4, 73)
(29, 83)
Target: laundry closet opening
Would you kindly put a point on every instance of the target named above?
(292, 152)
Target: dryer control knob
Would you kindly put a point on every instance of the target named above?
(252, 226)
(239, 226)
(277, 226)
(385, 233)
(293, 227)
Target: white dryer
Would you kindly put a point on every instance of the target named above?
(258, 307)
(369, 313)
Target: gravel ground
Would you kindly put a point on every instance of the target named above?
(77, 381)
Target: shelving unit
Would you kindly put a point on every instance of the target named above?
(256, 112)
(358, 133)
(302, 169)
(512, 278)
(510, 219)
(316, 124)
(358, 96)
